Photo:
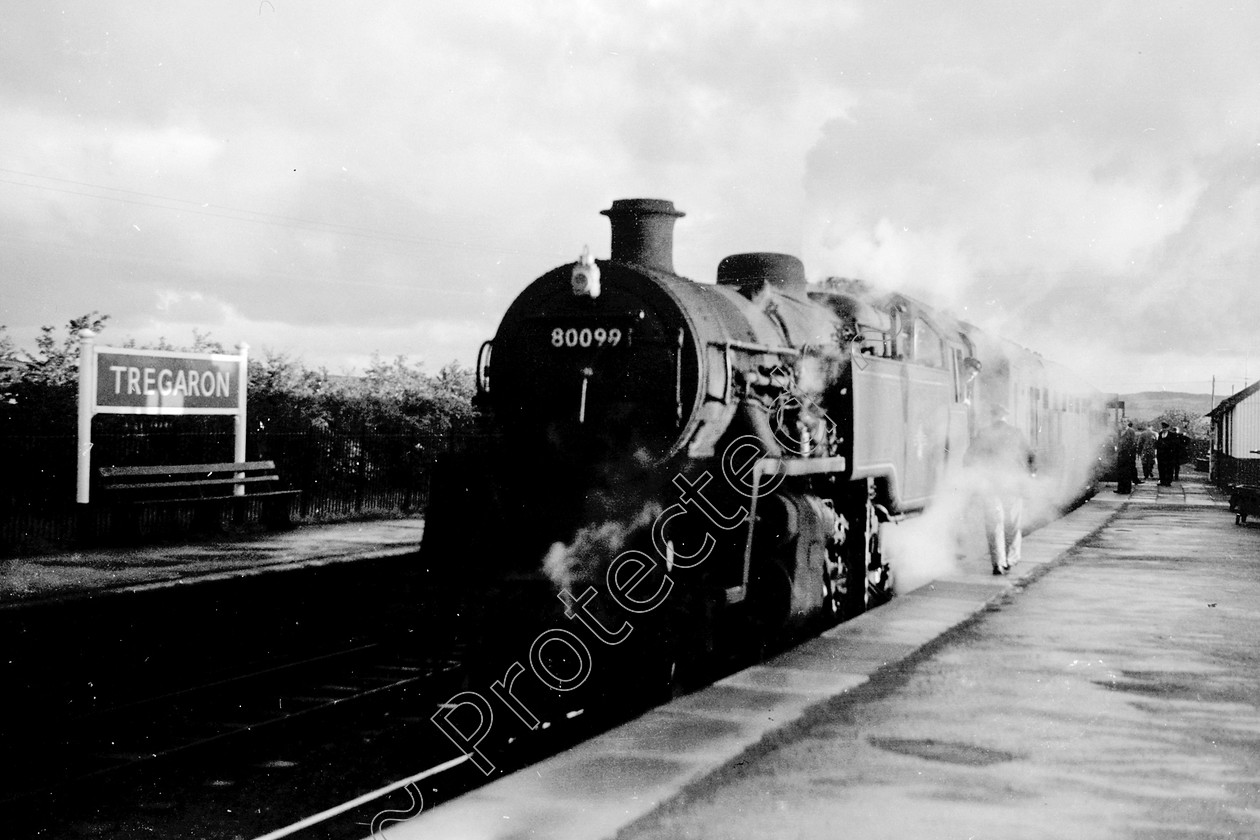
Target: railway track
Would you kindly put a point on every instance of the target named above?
(407, 796)
(119, 738)
(327, 745)
(277, 740)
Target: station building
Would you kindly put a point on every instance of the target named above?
(1235, 453)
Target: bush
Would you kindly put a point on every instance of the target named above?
(39, 394)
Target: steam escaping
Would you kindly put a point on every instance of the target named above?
(928, 547)
(948, 538)
(585, 559)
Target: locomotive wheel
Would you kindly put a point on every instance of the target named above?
(849, 590)
(679, 647)
(752, 629)
(843, 586)
(833, 587)
(860, 578)
(770, 598)
(878, 576)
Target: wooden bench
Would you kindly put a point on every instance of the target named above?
(212, 484)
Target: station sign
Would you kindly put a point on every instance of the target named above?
(160, 382)
(124, 380)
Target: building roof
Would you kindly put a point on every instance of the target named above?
(1233, 400)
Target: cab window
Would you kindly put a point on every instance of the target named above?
(928, 348)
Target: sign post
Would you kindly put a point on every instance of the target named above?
(242, 376)
(87, 387)
(124, 380)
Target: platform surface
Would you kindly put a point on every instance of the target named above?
(76, 574)
(1109, 688)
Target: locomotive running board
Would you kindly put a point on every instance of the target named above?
(776, 466)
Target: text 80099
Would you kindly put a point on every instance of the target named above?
(587, 337)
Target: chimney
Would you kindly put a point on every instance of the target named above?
(643, 232)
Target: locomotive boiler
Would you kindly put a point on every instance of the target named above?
(715, 463)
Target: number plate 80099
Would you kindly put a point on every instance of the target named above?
(585, 337)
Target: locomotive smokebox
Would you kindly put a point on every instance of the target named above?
(643, 232)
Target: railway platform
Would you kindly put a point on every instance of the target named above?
(89, 634)
(68, 576)
(1107, 688)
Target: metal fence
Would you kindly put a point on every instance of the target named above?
(340, 475)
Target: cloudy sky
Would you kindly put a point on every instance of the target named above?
(332, 180)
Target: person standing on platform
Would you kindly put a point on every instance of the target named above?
(1146, 451)
(1164, 445)
(1003, 461)
(1180, 445)
(1126, 459)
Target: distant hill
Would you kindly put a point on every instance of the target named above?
(1148, 405)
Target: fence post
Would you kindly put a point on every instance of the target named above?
(360, 472)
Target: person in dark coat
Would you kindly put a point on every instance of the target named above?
(1146, 451)
(1180, 444)
(1126, 459)
(1002, 461)
(1165, 447)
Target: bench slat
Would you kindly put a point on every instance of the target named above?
(202, 485)
(203, 482)
(175, 501)
(181, 469)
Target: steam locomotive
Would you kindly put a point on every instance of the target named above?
(715, 464)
